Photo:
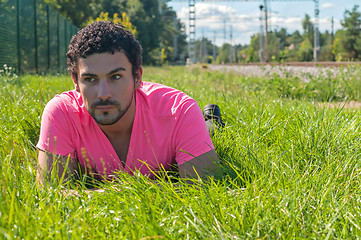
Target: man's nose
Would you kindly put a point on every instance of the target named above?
(104, 90)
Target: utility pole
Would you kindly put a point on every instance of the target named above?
(205, 50)
(214, 46)
(261, 31)
(230, 46)
(201, 47)
(224, 30)
(332, 29)
(332, 38)
(175, 41)
(316, 47)
(160, 43)
(266, 30)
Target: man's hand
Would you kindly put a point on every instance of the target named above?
(61, 168)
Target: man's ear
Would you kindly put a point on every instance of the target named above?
(75, 81)
(138, 78)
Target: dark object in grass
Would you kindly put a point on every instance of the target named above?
(212, 116)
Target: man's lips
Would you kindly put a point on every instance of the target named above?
(105, 108)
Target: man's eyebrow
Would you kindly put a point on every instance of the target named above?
(88, 75)
(117, 70)
(110, 73)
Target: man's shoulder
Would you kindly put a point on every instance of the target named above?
(69, 101)
(159, 92)
(150, 88)
(162, 99)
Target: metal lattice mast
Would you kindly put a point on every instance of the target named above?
(192, 31)
(316, 47)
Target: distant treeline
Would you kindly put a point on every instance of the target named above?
(344, 45)
(164, 41)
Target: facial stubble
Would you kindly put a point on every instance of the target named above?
(120, 112)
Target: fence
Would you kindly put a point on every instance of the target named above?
(33, 37)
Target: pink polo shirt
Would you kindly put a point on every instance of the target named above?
(168, 129)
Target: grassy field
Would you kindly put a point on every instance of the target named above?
(291, 166)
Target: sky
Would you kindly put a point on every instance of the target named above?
(235, 21)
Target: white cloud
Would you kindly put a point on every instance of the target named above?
(206, 10)
(328, 5)
(216, 21)
(326, 25)
(291, 23)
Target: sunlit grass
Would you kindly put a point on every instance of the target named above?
(291, 169)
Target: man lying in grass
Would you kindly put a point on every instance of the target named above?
(112, 121)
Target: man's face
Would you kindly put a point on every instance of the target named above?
(107, 85)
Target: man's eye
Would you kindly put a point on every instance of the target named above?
(89, 79)
(116, 77)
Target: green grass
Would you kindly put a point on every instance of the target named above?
(291, 169)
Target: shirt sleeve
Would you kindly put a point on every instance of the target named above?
(55, 131)
(191, 135)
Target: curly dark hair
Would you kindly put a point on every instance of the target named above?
(103, 37)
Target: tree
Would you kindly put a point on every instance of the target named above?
(276, 44)
(77, 12)
(308, 29)
(305, 52)
(326, 50)
(352, 38)
(124, 20)
(145, 16)
(242, 54)
(110, 6)
(293, 43)
(338, 48)
(223, 56)
(204, 50)
(173, 38)
(252, 54)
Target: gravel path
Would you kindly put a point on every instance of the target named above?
(303, 72)
(350, 104)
